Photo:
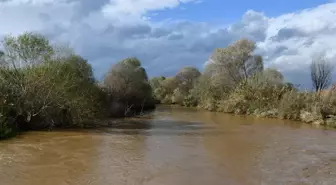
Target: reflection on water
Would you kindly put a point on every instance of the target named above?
(177, 146)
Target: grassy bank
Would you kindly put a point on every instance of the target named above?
(45, 86)
(235, 81)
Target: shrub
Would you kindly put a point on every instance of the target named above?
(178, 96)
(291, 105)
(43, 90)
(259, 95)
(53, 93)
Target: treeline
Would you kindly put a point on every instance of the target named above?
(235, 81)
(45, 86)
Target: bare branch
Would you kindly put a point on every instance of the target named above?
(321, 72)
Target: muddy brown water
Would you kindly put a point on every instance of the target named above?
(174, 146)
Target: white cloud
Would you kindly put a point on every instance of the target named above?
(302, 33)
(139, 7)
(105, 31)
(17, 16)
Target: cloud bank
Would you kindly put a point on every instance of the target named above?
(105, 31)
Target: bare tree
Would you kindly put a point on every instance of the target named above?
(321, 72)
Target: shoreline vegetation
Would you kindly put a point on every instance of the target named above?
(235, 81)
(45, 86)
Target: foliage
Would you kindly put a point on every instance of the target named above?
(236, 62)
(292, 104)
(259, 94)
(40, 90)
(27, 49)
(235, 81)
(187, 77)
(156, 84)
(127, 83)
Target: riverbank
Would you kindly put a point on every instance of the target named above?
(8, 131)
(267, 101)
(304, 107)
(235, 81)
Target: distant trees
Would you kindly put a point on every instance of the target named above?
(157, 87)
(188, 75)
(234, 81)
(186, 79)
(175, 89)
(321, 72)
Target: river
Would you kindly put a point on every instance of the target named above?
(174, 146)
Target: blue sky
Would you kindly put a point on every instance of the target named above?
(180, 33)
(228, 11)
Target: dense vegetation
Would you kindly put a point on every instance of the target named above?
(235, 81)
(45, 86)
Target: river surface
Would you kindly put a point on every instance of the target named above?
(174, 146)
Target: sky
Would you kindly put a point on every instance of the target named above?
(167, 35)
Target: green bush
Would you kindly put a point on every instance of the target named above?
(57, 93)
(41, 90)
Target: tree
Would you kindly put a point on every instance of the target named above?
(268, 77)
(156, 82)
(43, 90)
(128, 82)
(158, 90)
(27, 49)
(236, 62)
(188, 74)
(321, 72)
(169, 85)
(187, 78)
